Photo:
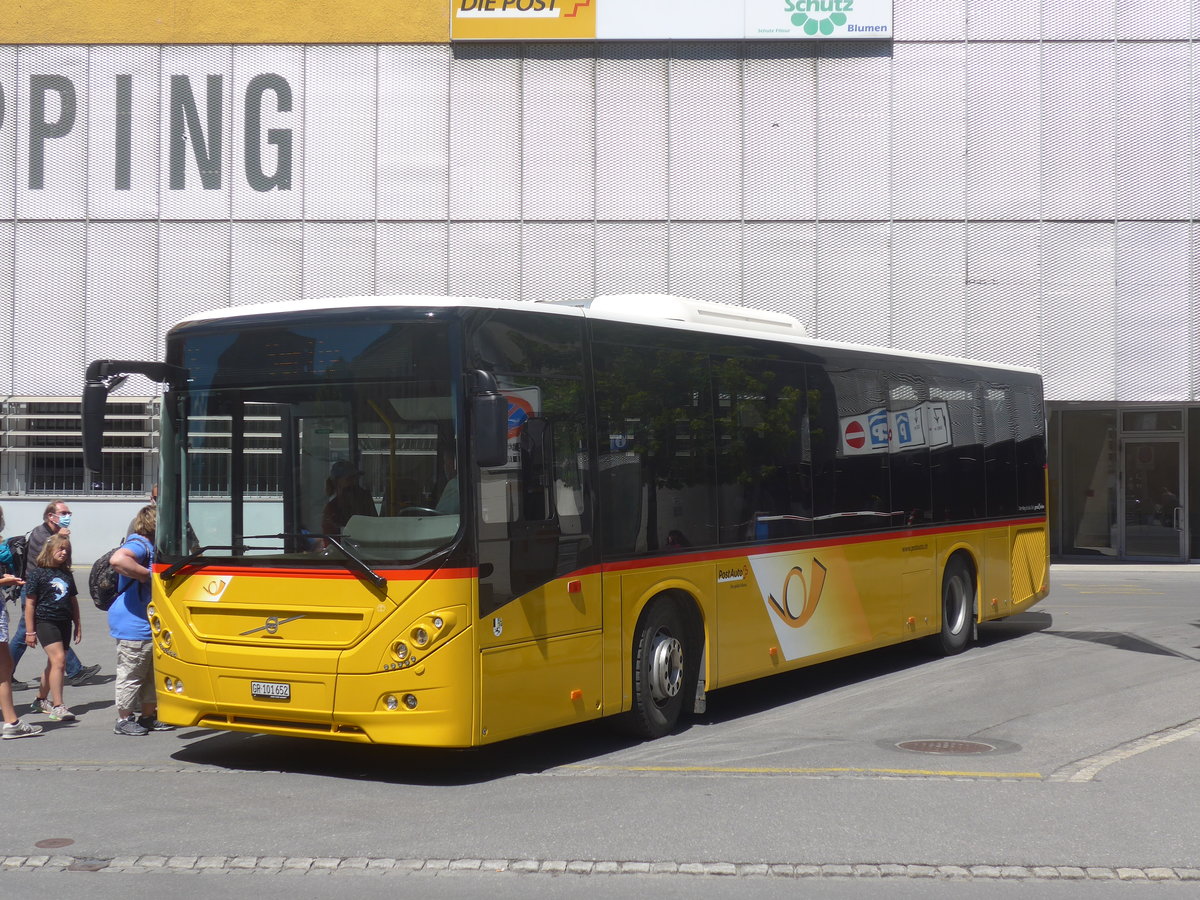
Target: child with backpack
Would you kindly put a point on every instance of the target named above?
(51, 617)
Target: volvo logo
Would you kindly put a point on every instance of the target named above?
(271, 625)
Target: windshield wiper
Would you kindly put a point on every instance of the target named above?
(356, 562)
(196, 557)
(198, 554)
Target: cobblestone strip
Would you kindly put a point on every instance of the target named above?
(1087, 769)
(581, 867)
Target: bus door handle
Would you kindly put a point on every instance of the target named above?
(1179, 518)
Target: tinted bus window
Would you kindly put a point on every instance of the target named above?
(657, 481)
(534, 515)
(913, 426)
(1000, 451)
(849, 439)
(763, 458)
(956, 461)
(507, 341)
(1031, 449)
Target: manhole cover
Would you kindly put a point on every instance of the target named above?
(53, 843)
(948, 747)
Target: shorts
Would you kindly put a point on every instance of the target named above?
(135, 674)
(3, 621)
(53, 631)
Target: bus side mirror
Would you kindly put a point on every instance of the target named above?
(491, 430)
(95, 400)
(104, 376)
(489, 420)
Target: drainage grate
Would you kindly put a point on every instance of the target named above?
(945, 747)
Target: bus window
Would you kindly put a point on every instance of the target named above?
(295, 440)
(910, 416)
(1000, 451)
(655, 435)
(1031, 449)
(956, 460)
(763, 459)
(534, 522)
(850, 450)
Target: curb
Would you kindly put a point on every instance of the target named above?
(272, 865)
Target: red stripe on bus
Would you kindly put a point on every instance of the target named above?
(760, 549)
(389, 574)
(746, 550)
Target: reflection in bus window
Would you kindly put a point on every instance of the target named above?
(656, 443)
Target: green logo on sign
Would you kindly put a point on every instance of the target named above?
(818, 15)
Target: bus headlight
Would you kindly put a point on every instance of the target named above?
(420, 636)
(400, 651)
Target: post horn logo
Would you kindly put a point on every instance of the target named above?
(809, 594)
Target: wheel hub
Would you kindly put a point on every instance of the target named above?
(957, 612)
(666, 668)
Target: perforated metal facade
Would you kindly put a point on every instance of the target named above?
(1012, 184)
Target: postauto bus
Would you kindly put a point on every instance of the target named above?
(445, 522)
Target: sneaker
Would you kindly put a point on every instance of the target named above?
(19, 729)
(151, 724)
(61, 714)
(83, 675)
(21, 685)
(41, 705)
(129, 726)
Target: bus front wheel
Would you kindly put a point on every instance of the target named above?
(660, 660)
(958, 607)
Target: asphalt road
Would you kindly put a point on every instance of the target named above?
(1062, 751)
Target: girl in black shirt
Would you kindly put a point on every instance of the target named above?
(51, 609)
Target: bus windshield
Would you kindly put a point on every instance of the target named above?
(310, 441)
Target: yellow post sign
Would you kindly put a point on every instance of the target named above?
(533, 20)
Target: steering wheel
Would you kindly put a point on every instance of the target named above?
(419, 511)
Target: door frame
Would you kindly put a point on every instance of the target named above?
(1180, 517)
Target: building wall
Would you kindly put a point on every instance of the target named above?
(1016, 184)
(1010, 192)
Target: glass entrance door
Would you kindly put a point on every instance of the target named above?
(1155, 524)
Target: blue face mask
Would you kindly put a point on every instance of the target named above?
(64, 521)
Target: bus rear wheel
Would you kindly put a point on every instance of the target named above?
(958, 608)
(661, 661)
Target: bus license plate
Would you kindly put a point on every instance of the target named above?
(271, 690)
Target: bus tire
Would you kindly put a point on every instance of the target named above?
(958, 607)
(661, 665)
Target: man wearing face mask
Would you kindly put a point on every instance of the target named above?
(55, 520)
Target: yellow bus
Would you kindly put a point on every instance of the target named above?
(443, 521)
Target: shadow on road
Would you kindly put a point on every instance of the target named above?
(561, 747)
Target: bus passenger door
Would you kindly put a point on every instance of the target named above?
(539, 605)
